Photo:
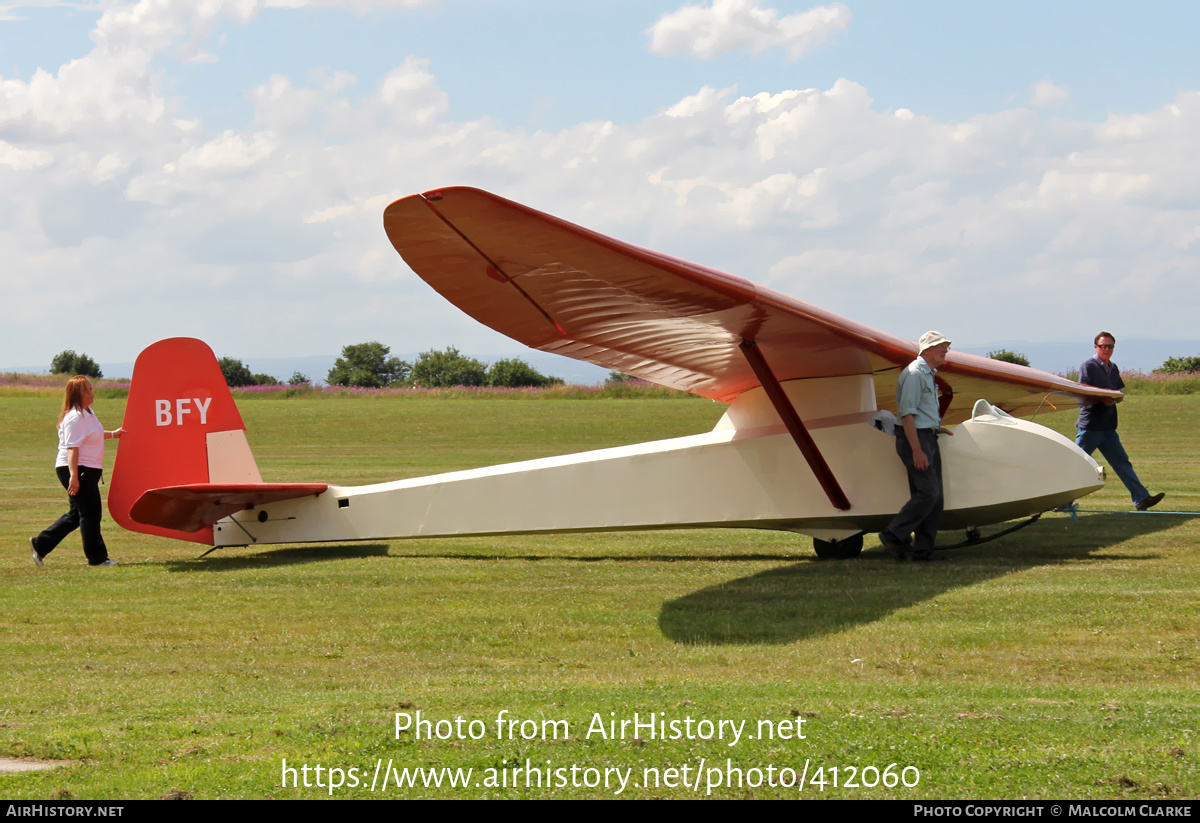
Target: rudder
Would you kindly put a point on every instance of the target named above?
(181, 427)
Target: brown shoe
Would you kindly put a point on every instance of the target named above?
(1151, 501)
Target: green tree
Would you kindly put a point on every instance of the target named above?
(1180, 365)
(516, 373)
(87, 366)
(447, 368)
(298, 379)
(367, 365)
(236, 372)
(68, 362)
(615, 377)
(63, 362)
(1009, 357)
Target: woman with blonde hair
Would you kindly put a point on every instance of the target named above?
(80, 465)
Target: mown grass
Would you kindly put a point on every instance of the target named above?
(1058, 662)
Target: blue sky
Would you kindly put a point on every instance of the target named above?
(999, 171)
(945, 59)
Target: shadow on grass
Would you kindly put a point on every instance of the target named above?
(808, 600)
(279, 557)
(609, 558)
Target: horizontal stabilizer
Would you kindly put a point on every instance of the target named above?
(194, 506)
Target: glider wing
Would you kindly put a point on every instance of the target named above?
(561, 288)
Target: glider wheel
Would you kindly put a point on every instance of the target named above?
(846, 549)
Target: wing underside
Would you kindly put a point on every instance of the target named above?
(560, 288)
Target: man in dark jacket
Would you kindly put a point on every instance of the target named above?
(1097, 426)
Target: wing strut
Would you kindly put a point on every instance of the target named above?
(795, 426)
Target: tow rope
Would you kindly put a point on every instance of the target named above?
(974, 538)
(1074, 510)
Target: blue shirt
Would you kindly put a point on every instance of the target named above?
(916, 394)
(1099, 417)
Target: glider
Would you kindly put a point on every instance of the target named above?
(796, 449)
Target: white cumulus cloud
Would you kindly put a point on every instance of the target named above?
(743, 25)
(360, 6)
(1046, 93)
(263, 235)
(23, 159)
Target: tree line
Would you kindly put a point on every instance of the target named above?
(368, 365)
(1172, 365)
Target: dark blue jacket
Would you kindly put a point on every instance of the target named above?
(1099, 417)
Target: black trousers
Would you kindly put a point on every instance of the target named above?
(84, 514)
(922, 514)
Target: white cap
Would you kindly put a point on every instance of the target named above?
(930, 339)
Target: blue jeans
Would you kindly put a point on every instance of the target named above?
(1109, 444)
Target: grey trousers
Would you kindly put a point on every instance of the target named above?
(922, 514)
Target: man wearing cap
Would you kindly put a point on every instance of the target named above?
(1097, 425)
(916, 443)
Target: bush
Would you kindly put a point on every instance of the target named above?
(298, 379)
(1179, 365)
(516, 373)
(367, 366)
(235, 371)
(68, 362)
(616, 377)
(1007, 356)
(437, 369)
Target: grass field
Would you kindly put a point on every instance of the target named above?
(1060, 662)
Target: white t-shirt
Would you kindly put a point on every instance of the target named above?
(81, 430)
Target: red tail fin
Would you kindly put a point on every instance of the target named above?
(181, 427)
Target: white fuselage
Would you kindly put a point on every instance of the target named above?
(745, 473)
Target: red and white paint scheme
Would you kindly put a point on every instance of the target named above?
(185, 463)
(795, 450)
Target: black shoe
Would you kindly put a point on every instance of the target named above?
(928, 557)
(892, 546)
(1151, 501)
